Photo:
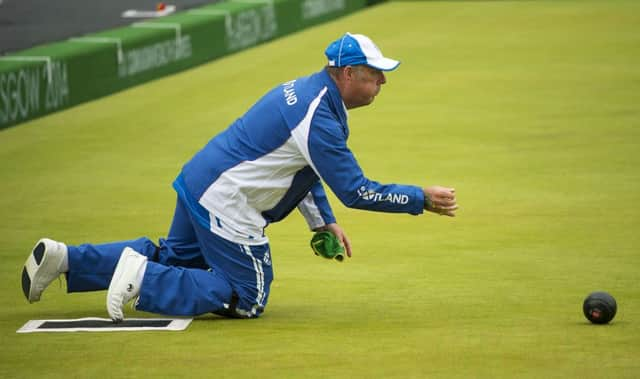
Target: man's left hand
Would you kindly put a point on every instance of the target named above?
(340, 235)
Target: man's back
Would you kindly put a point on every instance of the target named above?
(257, 167)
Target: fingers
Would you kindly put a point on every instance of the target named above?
(445, 210)
(347, 245)
(450, 211)
(446, 193)
(443, 201)
(342, 237)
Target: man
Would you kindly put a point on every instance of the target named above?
(275, 158)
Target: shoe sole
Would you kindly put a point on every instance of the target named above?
(37, 254)
(42, 267)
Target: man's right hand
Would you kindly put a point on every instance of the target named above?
(440, 200)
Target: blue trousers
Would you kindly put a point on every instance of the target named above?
(191, 272)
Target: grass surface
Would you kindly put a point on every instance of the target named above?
(530, 109)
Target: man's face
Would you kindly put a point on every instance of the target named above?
(364, 84)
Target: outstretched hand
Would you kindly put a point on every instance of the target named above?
(440, 200)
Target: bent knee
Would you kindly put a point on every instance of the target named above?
(241, 308)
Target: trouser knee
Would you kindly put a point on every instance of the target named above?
(235, 310)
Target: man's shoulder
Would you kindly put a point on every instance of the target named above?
(298, 97)
(304, 89)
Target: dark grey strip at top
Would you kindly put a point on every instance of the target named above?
(27, 23)
(97, 324)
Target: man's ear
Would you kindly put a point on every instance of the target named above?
(348, 72)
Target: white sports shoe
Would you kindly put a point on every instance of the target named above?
(43, 265)
(125, 283)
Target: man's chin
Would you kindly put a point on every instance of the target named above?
(363, 103)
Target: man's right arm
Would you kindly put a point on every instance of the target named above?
(335, 164)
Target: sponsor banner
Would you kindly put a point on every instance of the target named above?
(155, 55)
(33, 90)
(316, 8)
(48, 78)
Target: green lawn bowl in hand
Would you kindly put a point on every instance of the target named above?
(325, 244)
